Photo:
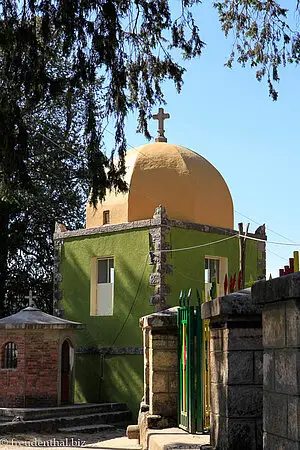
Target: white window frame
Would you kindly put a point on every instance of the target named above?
(223, 269)
(102, 293)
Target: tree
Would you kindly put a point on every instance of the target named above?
(263, 36)
(119, 58)
(59, 195)
(120, 52)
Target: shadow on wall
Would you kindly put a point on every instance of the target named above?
(113, 377)
(218, 395)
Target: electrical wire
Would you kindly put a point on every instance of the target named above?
(57, 145)
(222, 240)
(107, 131)
(257, 223)
(195, 246)
(278, 256)
(135, 148)
(132, 304)
(209, 243)
(269, 242)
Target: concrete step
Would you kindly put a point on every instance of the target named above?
(101, 418)
(87, 428)
(177, 439)
(44, 413)
(107, 417)
(54, 423)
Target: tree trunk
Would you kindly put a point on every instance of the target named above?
(4, 220)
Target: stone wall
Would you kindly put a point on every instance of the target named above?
(236, 372)
(159, 405)
(159, 240)
(280, 298)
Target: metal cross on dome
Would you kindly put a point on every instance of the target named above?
(161, 116)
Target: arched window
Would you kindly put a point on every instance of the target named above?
(10, 356)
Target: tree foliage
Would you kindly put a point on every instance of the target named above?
(126, 48)
(263, 36)
(113, 57)
(69, 66)
(119, 45)
(56, 166)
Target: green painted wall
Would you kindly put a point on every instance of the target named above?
(130, 250)
(120, 378)
(254, 257)
(188, 265)
(112, 378)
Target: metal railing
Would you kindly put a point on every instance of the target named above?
(193, 357)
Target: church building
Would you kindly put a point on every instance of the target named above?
(172, 230)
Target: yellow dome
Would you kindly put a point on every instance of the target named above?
(185, 183)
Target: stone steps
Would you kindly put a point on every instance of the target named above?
(59, 411)
(87, 428)
(103, 418)
(107, 414)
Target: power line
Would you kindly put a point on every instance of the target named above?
(269, 229)
(196, 246)
(225, 239)
(269, 242)
(200, 245)
(107, 131)
(55, 143)
(273, 253)
(135, 148)
(132, 304)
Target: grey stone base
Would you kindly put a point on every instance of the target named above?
(236, 434)
(273, 442)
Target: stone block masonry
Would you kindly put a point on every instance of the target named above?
(163, 374)
(236, 374)
(159, 406)
(280, 298)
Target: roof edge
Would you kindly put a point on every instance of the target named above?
(148, 223)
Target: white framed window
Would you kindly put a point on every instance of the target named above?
(216, 268)
(102, 287)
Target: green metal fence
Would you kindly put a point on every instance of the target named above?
(193, 371)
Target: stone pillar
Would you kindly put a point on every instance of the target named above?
(280, 298)
(236, 371)
(159, 239)
(159, 406)
(146, 342)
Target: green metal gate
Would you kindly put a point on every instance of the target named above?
(193, 371)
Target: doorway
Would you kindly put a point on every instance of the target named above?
(66, 372)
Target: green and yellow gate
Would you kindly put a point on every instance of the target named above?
(193, 354)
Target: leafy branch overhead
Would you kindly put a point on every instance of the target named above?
(67, 67)
(263, 36)
(120, 52)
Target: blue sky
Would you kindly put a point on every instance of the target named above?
(228, 117)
